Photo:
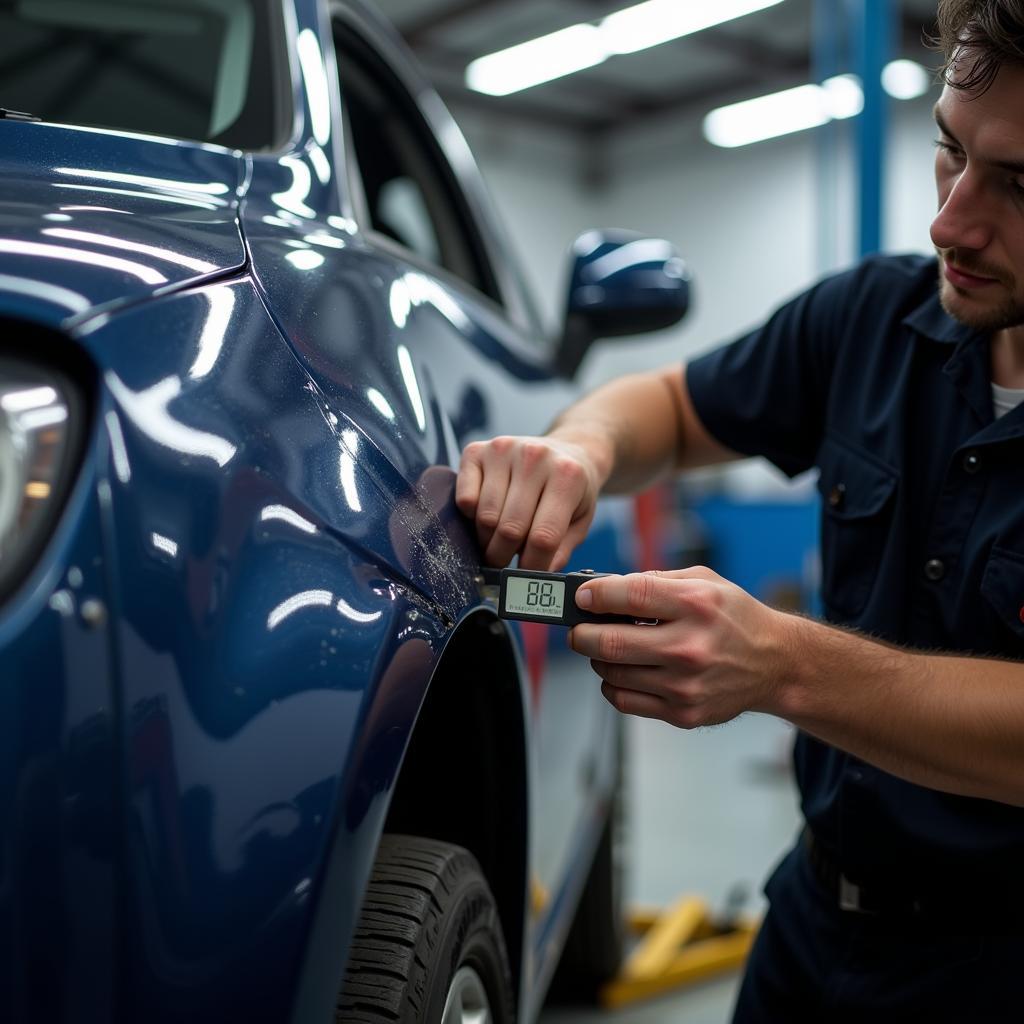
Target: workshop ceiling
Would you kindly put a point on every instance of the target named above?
(756, 54)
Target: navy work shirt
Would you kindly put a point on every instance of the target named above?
(922, 537)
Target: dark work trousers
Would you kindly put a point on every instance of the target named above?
(814, 962)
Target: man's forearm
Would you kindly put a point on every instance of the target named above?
(628, 427)
(951, 723)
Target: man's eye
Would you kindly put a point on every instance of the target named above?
(945, 147)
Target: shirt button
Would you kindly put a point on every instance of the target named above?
(935, 569)
(837, 496)
(972, 462)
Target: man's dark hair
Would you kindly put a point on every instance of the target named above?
(988, 33)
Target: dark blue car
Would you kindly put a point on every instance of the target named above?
(266, 751)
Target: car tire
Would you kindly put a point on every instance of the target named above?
(428, 948)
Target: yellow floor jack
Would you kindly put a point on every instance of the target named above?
(679, 946)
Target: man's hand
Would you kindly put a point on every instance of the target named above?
(532, 495)
(715, 653)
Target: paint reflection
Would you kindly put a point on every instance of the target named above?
(321, 165)
(293, 199)
(324, 239)
(347, 469)
(356, 616)
(164, 544)
(286, 515)
(73, 302)
(118, 449)
(178, 200)
(305, 259)
(318, 599)
(412, 290)
(212, 188)
(311, 62)
(412, 386)
(381, 404)
(211, 341)
(646, 250)
(200, 266)
(295, 603)
(58, 252)
(345, 224)
(148, 411)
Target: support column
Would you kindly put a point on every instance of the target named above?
(875, 22)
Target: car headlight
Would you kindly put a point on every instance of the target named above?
(39, 427)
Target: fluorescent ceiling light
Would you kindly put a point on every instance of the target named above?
(806, 106)
(782, 113)
(844, 97)
(539, 60)
(905, 80)
(659, 21)
(586, 45)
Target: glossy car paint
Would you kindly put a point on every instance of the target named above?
(195, 780)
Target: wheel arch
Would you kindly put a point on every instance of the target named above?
(464, 777)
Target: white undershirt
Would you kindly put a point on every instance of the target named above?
(1005, 399)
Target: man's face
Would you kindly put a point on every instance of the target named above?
(979, 230)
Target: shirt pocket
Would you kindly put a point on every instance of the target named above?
(1002, 585)
(857, 502)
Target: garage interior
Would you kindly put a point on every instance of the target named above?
(624, 143)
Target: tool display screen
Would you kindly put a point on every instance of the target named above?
(534, 597)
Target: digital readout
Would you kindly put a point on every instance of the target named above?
(534, 597)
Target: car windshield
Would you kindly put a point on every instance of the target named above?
(190, 69)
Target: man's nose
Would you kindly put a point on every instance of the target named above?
(962, 221)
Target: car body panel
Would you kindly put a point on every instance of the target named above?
(58, 735)
(255, 629)
(125, 217)
(265, 513)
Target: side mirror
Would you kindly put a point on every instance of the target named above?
(620, 283)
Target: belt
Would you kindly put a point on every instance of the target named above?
(955, 901)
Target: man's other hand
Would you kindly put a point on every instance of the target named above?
(715, 652)
(531, 495)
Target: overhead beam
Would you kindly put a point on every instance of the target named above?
(521, 110)
(752, 53)
(416, 32)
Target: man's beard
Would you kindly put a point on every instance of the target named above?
(1009, 313)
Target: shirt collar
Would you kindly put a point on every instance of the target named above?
(932, 321)
(967, 367)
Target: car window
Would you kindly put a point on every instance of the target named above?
(410, 190)
(192, 69)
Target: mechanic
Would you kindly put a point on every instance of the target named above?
(902, 899)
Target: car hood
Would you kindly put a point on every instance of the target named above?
(92, 220)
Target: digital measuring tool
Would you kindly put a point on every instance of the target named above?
(548, 597)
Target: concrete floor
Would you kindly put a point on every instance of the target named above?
(709, 811)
